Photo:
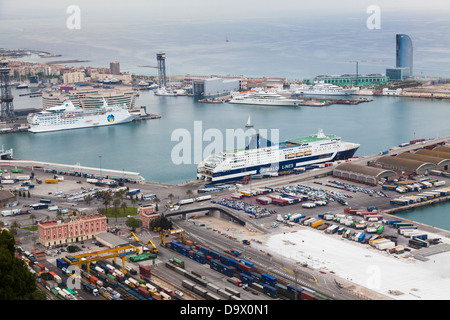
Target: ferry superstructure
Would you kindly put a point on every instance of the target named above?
(264, 98)
(67, 116)
(285, 156)
(324, 89)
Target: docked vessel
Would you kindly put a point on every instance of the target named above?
(261, 157)
(264, 98)
(67, 116)
(324, 89)
(165, 92)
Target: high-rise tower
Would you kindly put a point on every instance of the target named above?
(6, 97)
(161, 58)
(404, 52)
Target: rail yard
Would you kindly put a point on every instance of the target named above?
(259, 239)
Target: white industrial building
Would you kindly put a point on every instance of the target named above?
(214, 87)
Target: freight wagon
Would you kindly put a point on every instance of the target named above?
(220, 267)
(270, 291)
(269, 280)
(212, 296)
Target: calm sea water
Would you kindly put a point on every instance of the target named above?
(146, 146)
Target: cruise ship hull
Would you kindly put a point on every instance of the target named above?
(286, 165)
(80, 122)
(267, 102)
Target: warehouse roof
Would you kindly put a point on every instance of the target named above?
(407, 164)
(425, 158)
(442, 148)
(434, 153)
(365, 170)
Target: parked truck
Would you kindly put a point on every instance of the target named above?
(90, 288)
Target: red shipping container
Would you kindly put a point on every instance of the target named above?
(143, 292)
(145, 271)
(307, 296)
(93, 279)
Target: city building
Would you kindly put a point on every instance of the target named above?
(214, 87)
(77, 229)
(114, 67)
(398, 74)
(88, 96)
(147, 214)
(73, 77)
(404, 53)
(350, 79)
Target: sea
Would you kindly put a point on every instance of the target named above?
(289, 40)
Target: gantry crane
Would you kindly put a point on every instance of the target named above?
(163, 234)
(87, 258)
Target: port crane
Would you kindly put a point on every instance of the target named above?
(149, 242)
(163, 234)
(87, 258)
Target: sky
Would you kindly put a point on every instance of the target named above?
(195, 30)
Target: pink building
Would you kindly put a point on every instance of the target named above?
(147, 214)
(78, 229)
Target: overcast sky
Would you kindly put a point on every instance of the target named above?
(119, 10)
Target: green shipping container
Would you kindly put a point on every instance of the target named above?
(178, 262)
(380, 229)
(111, 276)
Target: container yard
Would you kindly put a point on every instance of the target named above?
(277, 238)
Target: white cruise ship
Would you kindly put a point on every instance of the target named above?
(264, 98)
(324, 89)
(285, 156)
(67, 116)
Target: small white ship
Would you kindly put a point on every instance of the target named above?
(264, 98)
(324, 89)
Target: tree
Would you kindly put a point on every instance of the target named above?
(107, 200)
(16, 282)
(116, 204)
(14, 226)
(124, 207)
(133, 223)
(156, 201)
(189, 193)
(171, 197)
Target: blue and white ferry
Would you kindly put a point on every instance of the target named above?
(285, 156)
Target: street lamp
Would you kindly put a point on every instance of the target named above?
(101, 176)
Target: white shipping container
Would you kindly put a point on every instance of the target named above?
(386, 245)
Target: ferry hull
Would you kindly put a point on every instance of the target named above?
(287, 165)
(91, 124)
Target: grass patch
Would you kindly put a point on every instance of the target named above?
(110, 213)
(32, 228)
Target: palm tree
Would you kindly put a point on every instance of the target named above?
(33, 217)
(124, 207)
(156, 201)
(88, 199)
(189, 193)
(116, 204)
(171, 197)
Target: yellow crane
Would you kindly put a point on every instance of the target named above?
(149, 242)
(87, 258)
(163, 234)
(132, 235)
